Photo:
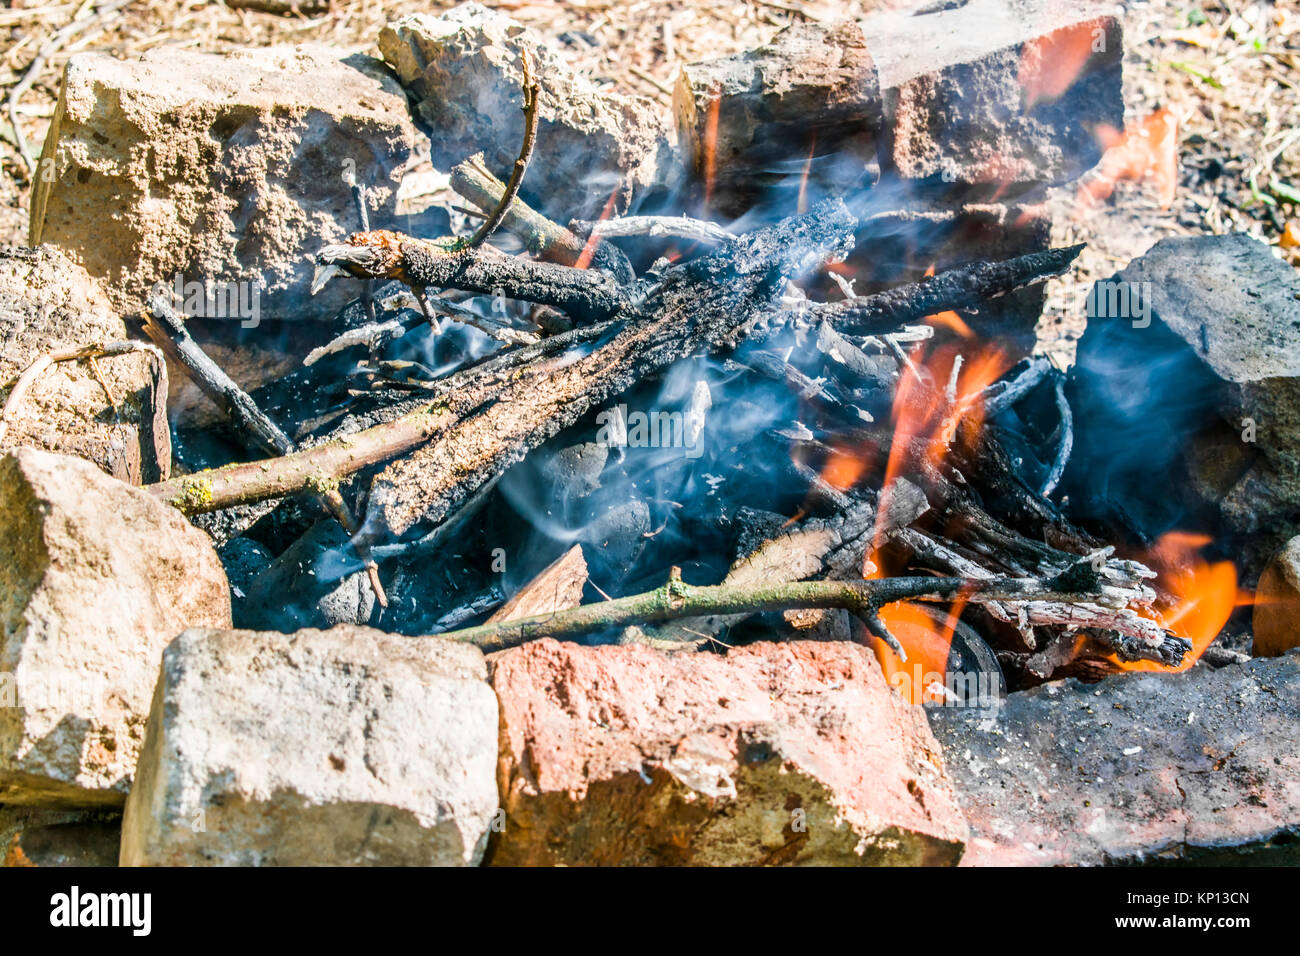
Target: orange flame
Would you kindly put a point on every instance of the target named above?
(928, 643)
(710, 145)
(1147, 152)
(932, 410)
(1205, 595)
(928, 408)
(843, 469)
(1049, 65)
(589, 247)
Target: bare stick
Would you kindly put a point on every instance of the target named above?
(168, 331)
(24, 382)
(959, 288)
(493, 221)
(165, 327)
(680, 227)
(676, 599)
(1067, 439)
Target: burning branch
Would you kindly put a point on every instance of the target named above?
(676, 599)
(959, 288)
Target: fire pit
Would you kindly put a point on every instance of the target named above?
(479, 465)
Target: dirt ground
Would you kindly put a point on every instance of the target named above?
(1226, 73)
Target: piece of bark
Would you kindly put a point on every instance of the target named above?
(557, 587)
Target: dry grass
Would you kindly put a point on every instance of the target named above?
(1228, 74)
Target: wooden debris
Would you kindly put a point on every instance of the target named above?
(557, 587)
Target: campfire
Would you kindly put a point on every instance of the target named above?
(623, 408)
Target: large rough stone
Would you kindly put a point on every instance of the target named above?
(95, 578)
(463, 72)
(809, 99)
(48, 303)
(1199, 766)
(34, 836)
(347, 746)
(313, 583)
(1190, 369)
(221, 168)
(1006, 94)
(772, 754)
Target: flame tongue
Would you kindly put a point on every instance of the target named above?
(1204, 596)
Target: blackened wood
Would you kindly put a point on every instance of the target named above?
(960, 288)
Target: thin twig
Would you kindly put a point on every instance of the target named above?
(676, 599)
(680, 227)
(165, 327)
(531, 89)
(24, 382)
(1067, 438)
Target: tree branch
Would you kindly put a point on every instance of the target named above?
(493, 221)
(676, 599)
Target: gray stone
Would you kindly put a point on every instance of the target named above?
(463, 72)
(1198, 766)
(1275, 622)
(95, 578)
(1006, 94)
(223, 168)
(49, 303)
(339, 747)
(316, 582)
(751, 119)
(1190, 368)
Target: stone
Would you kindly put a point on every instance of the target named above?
(340, 747)
(228, 169)
(1001, 94)
(49, 303)
(95, 578)
(1190, 369)
(462, 70)
(1197, 767)
(810, 98)
(1276, 616)
(773, 754)
(33, 836)
(316, 582)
